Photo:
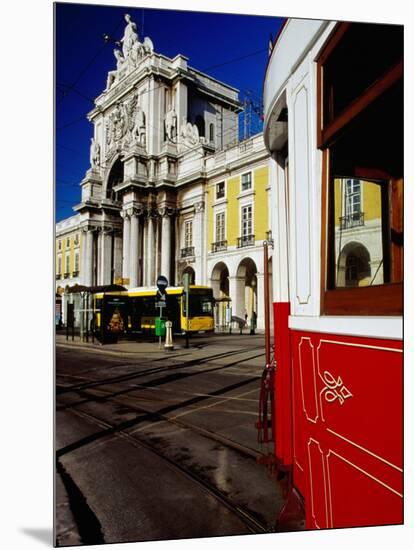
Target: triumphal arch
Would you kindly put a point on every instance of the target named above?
(154, 125)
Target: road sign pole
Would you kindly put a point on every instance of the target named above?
(186, 282)
(162, 283)
(160, 337)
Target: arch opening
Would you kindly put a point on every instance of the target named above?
(354, 266)
(115, 177)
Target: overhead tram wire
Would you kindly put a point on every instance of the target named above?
(64, 183)
(64, 87)
(88, 65)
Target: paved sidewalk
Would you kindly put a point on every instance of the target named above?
(145, 347)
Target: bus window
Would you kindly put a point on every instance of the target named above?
(201, 303)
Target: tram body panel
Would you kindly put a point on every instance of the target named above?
(345, 437)
(338, 412)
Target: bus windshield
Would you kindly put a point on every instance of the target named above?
(201, 302)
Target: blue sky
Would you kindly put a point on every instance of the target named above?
(231, 48)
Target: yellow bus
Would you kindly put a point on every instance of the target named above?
(134, 311)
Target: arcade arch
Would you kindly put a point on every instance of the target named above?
(220, 284)
(354, 266)
(191, 272)
(246, 289)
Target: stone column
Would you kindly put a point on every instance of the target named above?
(88, 257)
(106, 256)
(117, 265)
(125, 245)
(134, 247)
(166, 244)
(215, 285)
(260, 300)
(150, 251)
(157, 246)
(98, 256)
(199, 242)
(144, 254)
(236, 291)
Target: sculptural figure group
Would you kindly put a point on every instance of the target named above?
(132, 51)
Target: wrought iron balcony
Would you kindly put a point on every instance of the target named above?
(58, 276)
(245, 240)
(187, 252)
(349, 221)
(218, 246)
(66, 275)
(75, 274)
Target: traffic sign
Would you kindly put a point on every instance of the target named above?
(162, 283)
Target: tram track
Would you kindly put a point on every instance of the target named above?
(156, 416)
(171, 367)
(139, 431)
(146, 385)
(253, 524)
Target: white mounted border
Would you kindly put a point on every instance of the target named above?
(390, 328)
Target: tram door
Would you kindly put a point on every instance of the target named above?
(347, 443)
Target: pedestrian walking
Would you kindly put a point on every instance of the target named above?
(253, 321)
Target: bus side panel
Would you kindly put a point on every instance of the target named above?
(347, 436)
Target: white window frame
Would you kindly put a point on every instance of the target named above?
(59, 266)
(251, 182)
(246, 205)
(344, 195)
(76, 262)
(67, 263)
(188, 223)
(219, 213)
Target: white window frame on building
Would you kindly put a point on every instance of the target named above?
(59, 267)
(247, 237)
(246, 182)
(67, 242)
(220, 242)
(352, 215)
(59, 245)
(67, 265)
(76, 240)
(76, 264)
(220, 187)
(188, 249)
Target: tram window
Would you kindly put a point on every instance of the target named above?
(361, 233)
(362, 141)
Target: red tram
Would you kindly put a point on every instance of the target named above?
(333, 97)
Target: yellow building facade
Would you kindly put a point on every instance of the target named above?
(68, 252)
(219, 245)
(238, 223)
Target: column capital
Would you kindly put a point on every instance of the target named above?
(151, 213)
(164, 211)
(199, 206)
(88, 227)
(136, 210)
(105, 229)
